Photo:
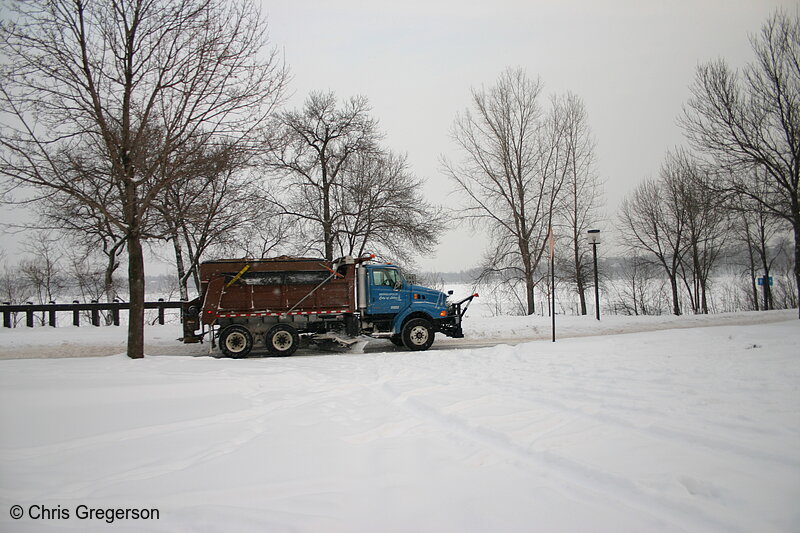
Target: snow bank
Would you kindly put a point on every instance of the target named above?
(540, 327)
(85, 341)
(675, 430)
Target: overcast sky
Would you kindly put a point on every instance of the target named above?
(416, 60)
(630, 61)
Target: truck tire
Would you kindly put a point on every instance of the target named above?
(282, 339)
(235, 341)
(417, 334)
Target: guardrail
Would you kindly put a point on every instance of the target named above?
(76, 307)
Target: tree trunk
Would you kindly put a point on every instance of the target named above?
(328, 242)
(108, 277)
(753, 284)
(797, 255)
(704, 296)
(196, 277)
(136, 282)
(768, 304)
(676, 307)
(527, 269)
(529, 297)
(182, 277)
(327, 230)
(579, 274)
(194, 263)
(690, 289)
(108, 281)
(327, 223)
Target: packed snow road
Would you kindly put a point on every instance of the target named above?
(481, 331)
(674, 430)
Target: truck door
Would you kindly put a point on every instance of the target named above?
(386, 294)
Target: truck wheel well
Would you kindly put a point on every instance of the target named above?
(416, 314)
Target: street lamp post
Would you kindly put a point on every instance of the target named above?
(594, 240)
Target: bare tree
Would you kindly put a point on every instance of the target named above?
(652, 222)
(751, 120)
(102, 93)
(635, 287)
(783, 294)
(347, 192)
(85, 271)
(582, 196)
(705, 221)
(42, 270)
(13, 289)
(271, 234)
(205, 208)
(88, 232)
(315, 145)
(512, 171)
(757, 229)
(383, 210)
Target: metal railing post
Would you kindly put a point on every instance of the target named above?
(95, 315)
(115, 313)
(161, 312)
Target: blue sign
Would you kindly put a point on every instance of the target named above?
(761, 281)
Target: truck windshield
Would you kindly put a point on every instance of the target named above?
(385, 276)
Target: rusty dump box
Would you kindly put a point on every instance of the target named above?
(276, 287)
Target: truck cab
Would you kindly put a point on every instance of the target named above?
(408, 314)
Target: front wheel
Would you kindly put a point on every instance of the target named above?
(282, 339)
(235, 341)
(417, 334)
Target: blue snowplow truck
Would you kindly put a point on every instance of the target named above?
(278, 302)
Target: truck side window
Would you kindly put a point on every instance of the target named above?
(384, 276)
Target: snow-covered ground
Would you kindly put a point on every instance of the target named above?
(627, 424)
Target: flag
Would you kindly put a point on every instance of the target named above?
(551, 242)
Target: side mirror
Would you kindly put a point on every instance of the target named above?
(449, 293)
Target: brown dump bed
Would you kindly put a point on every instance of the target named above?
(271, 287)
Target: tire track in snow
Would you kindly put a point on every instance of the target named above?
(595, 484)
(679, 436)
(591, 394)
(250, 423)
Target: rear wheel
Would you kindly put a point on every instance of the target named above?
(235, 341)
(282, 339)
(417, 334)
